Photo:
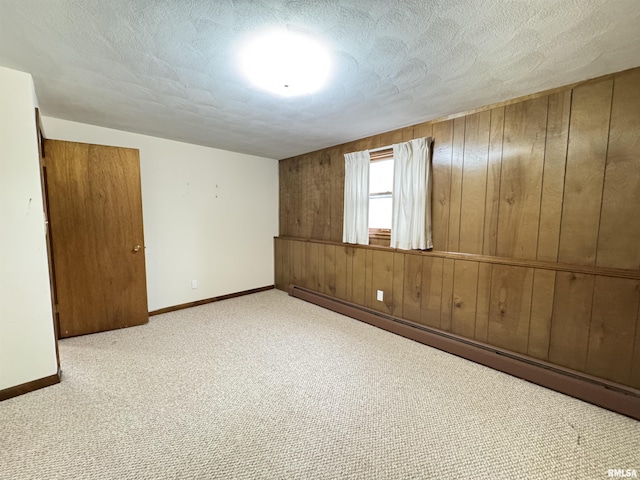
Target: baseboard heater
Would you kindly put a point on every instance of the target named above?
(612, 396)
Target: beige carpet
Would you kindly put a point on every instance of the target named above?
(267, 386)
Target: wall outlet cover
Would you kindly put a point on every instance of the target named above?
(380, 295)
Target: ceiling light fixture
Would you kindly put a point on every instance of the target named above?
(285, 63)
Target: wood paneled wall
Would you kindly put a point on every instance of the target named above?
(584, 321)
(542, 196)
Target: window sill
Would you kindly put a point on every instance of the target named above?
(380, 237)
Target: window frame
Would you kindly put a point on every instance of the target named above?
(380, 235)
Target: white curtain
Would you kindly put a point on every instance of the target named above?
(356, 198)
(411, 218)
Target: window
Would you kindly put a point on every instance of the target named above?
(392, 184)
(380, 197)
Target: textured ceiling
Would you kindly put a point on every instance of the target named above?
(167, 68)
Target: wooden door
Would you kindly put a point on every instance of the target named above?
(95, 208)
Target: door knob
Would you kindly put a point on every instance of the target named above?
(136, 248)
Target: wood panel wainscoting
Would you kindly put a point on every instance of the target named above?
(582, 322)
(599, 392)
(535, 230)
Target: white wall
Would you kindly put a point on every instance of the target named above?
(209, 215)
(27, 339)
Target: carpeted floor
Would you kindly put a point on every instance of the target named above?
(267, 386)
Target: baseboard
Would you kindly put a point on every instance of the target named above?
(210, 300)
(603, 393)
(30, 386)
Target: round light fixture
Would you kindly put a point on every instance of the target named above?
(285, 63)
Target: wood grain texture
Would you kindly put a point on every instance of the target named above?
(380, 240)
(494, 169)
(520, 308)
(389, 138)
(284, 199)
(517, 262)
(321, 188)
(296, 260)
(616, 397)
(431, 304)
(291, 185)
(341, 272)
(571, 319)
(303, 278)
(619, 234)
(397, 303)
(474, 182)
(359, 262)
(291, 260)
(541, 312)
(368, 143)
(287, 263)
(457, 162)
(421, 130)
(441, 193)
(95, 207)
(325, 186)
(612, 332)
(369, 296)
(548, 158)
(382, 278)
(555, 161)
(278, 270)
(330, 270)
(294, 188)
(313, 266)
(521, 178)
(337, 193)
(446, 302)
(483, 302)
(586, 155)
(465, 291)
(350, 251)
(412, 287)
(308, 195)
(510, 307)
(321, 265)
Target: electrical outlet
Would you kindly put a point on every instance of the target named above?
(194, 284)
(380, 295)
